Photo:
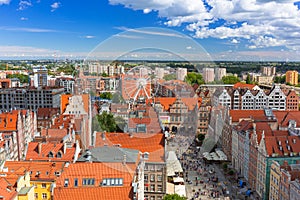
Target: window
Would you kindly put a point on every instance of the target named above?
(159, 188)
(50, 154)
(110, 182)
(88, 181)
(44, 195)
(59, 154)
(66, 184)
(44, 185)
(159, 178)
(152, 198)
(152, 177)
(36, 195)
(75, 182)
(152, 188)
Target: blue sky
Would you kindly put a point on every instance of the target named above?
(227, 30)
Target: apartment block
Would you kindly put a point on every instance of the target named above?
(30, 98)
(291, 77)
(208, 75)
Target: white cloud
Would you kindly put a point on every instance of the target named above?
(234, 41)
(24, 29)
(23, 18)
(55, 6)
(89, 36)
(24, 5)
(263, 23)
(4, 2)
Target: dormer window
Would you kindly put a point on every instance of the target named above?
(59, 155)
(50, 154)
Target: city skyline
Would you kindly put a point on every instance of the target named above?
(254, 30)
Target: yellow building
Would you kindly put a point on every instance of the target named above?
(291, 77)
(42, 177)
(275, 174)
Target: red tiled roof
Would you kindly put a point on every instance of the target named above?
(237, 115)
(109, 193)
(166, 102)
(33, 152)
(284, 117)
(98, 171)
(243, 85)
(47, 112)
(289, 144)
(8, 121)
(37, 170)
(4, 192)
(144, 142)
(54, 133)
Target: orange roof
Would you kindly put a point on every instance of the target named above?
(8, 121)
(47, 112)
(166, 102)
(64, 102)
(98, 171)
(237, 115)
(289, 144)
(54, 133)
(243, 85)
(33, 152)
(144, 142)
(111, 193)
(284, 117)
(4, 192)
(37, 170)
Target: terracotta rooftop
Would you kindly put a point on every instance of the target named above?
(282, 145)
(5, 192)
(54, 134)
(284, 117)
(98, 171)
(8, 121)
(37, 170)
(144, 142)
(237, 115)
(50, 151)
(244, 85)
(116, 193)
(47, 112)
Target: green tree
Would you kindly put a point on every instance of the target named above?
(230, 79)
(121, 124)
(201, 137)
(106, 95)
(22, 77)
(174, 197)
(248, 79)
(104, 74)
(169, 77)
(107, 122)
(194, 78)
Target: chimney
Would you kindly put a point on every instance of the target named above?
(124, 159)
(40, 148)
(65, 148)
(103, 135)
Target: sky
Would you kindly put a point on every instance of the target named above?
(258, 30)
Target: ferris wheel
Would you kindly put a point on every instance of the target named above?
(136, 84)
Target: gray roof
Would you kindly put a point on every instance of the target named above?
(109, 154)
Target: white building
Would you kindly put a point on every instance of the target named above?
(160, 72)
(181, 73)
(208, 75)
(40, 77)
(220, 73)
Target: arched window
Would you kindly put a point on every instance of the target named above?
(59, 154)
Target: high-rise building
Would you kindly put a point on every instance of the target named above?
(160, 72)
(220, 72)
(268, 71)
(181, 73)
(40, 77)
(208, 75)
(291, 77)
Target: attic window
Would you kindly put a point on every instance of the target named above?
(59, 154)
(50, 154)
